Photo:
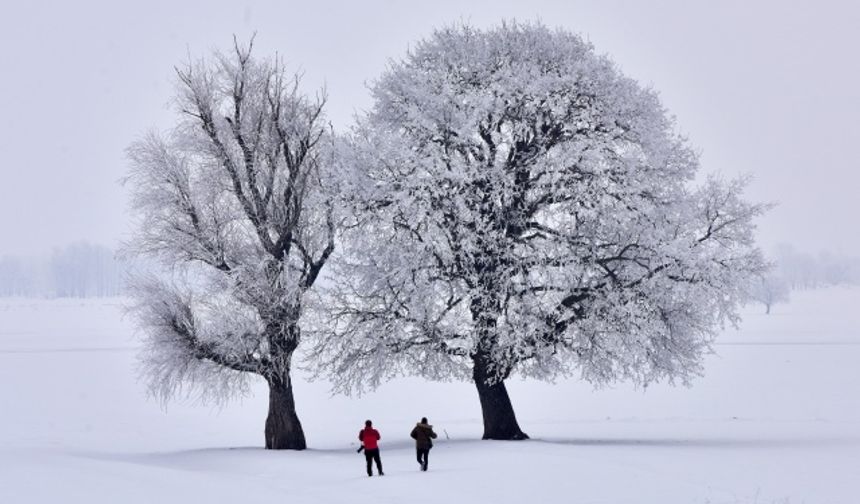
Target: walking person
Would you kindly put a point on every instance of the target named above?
(423, 435)
(369, 438)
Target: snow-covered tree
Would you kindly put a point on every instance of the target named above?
(770, 289)
(525, 208)
(234, 202)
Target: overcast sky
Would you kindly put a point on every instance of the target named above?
(769, 88)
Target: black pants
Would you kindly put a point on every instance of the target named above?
(423, 454)
(370, 456)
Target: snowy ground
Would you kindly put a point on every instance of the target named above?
(775, 420)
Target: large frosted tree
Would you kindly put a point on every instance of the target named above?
(234, 202)
(526, 208)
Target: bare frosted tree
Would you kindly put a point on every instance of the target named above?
(528, 209)
(770, 289)
(234, 202)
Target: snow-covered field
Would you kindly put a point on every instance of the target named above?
(776, 419)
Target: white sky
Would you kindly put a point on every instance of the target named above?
(770, 88)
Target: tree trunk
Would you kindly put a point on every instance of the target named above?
(283, 428)
(500, 422)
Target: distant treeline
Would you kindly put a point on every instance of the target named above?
(800, 270)
(78, 270)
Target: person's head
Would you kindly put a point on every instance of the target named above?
(368, 423)
(424, 420)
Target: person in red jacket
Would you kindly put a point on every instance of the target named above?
(369, 438)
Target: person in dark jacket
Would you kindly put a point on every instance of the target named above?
(423, 435)
(369, 438)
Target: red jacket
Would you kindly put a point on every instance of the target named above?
(369, 436)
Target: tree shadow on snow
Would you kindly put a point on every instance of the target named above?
(226, 458)
(244, 459)
(711, 442)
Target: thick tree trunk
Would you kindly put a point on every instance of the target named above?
(500, 422)
(283, 428)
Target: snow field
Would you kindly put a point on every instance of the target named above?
(775, 419)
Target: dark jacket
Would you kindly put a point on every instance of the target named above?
(423, 435)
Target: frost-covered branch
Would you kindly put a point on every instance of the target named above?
(236, 203)
(517, 172)
(182, 355)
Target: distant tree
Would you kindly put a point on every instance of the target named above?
(769, 290)
(805, 271)
(16, 278)
(528, 209)
(77, 270)
(233, 201)
(86, 270)
(835, 269)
